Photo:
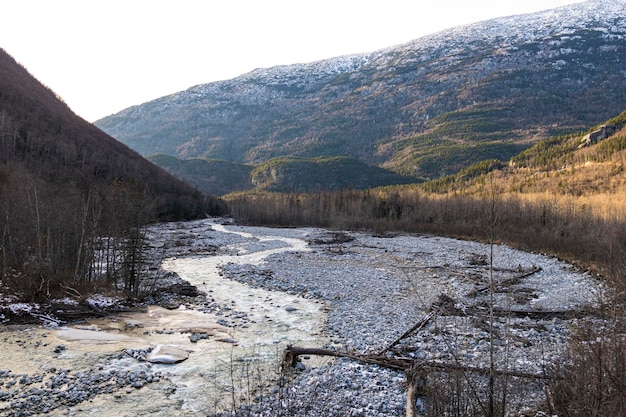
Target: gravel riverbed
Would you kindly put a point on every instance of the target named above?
(372, 289)
(376, 288)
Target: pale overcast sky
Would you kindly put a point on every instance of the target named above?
(104, 56)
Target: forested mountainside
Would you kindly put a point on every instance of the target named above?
(427, 108)
(282, 174)
(65, 185)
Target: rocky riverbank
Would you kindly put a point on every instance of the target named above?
(42, 392)
(376, 288)
(373, 289)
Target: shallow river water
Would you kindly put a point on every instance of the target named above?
(225, 368)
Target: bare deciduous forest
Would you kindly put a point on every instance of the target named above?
(72, 199)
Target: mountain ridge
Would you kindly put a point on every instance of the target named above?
(480, 91)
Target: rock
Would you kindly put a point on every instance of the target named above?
(198, 336)
(227, 340)
(168, 354)
(289, 309)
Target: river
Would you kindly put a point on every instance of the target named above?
(348, 291)
(226, 367)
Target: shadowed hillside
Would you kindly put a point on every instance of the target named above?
(64, 183)
(283, 174)
(217, 177)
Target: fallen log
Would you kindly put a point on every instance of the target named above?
(414, 370)
(291, 354)
(482, 267)
(529, 273)
(508, 281)
(418, 326)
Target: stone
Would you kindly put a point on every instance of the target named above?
(198, 336)
(168, 354)
(228, 340)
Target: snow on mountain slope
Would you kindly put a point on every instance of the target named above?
(425, 108)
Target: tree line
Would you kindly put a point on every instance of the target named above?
(541, 223)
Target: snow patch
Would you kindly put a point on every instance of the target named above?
(99, 301)
(21, 308)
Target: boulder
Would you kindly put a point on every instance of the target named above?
(168, 354)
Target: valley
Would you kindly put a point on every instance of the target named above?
(350, 292)
(442, 221)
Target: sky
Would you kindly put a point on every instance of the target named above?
(102, 56)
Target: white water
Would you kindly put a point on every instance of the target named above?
(224, 369)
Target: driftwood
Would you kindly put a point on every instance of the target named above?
(457, 267)
(414, 370)
(529, 273)
(508, 281)
(291, 354)
(415, 328)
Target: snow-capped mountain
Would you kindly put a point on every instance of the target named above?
(425, 108)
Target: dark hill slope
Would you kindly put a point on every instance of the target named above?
(71, 197)
(283, 174)
(39, 132)
(426, 108)
(288, 174)
(213, 176)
